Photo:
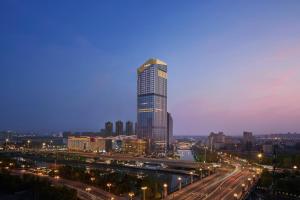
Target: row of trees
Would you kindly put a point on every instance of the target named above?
(121, 182)
(286, 181)
(31, 187)
(284, 160)
(201, 155)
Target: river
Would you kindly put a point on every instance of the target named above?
(186, 155)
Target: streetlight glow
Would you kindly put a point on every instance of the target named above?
(259, 155)
(131, 194)
(295, 167)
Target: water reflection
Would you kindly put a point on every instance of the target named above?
(186, 155)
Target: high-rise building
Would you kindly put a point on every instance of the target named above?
(109, 128)
(129, 128)
(119, 127)
(152, 104)
(169, 130)
(248, 140)
(216, 140)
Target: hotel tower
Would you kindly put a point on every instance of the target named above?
(152, 104)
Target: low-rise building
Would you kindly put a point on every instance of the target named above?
(120, 144)
(85, 143)
(134, 146)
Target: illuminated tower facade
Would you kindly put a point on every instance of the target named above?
(152, 104)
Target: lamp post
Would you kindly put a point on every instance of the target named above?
(295, 167)
(192, 175)
(88, 189)
(131, 195)
(249, 181)
(205, 148)
(259, 157)
(165, 190)
(144, 192)
(200, 173)
(108, 185)
(243, 187)
(235, 195)
(28, 143)
(179, 179)
(93, 179)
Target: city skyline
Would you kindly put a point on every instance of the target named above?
(73, 67)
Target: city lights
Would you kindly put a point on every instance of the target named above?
(89, 91)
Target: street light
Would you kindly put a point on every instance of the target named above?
(200, 173)
(259, 157)
(28, 142)
(249, 181)
(191, 173)
(179, 179)
(144, 188)
(165, 190)
(235, 195)
(205, 148)
(131, 195)
(295, 167)
(108, 185)
(93, 179)
(244, 187)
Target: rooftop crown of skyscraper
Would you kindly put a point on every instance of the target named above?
(151, 61)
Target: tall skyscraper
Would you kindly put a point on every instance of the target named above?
(119, 127)
(169, 130)
(129, 128)
(152, 104)
(108, 128)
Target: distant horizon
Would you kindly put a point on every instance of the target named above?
(177, 135)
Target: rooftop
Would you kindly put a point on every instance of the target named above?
(151, 61)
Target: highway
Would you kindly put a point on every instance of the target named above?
(220, 186)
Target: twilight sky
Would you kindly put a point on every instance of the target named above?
(71, 65)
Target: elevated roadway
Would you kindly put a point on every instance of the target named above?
(220, 186)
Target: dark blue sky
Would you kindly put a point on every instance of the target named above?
(71, 65)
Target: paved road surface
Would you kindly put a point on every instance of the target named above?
(220, 186)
